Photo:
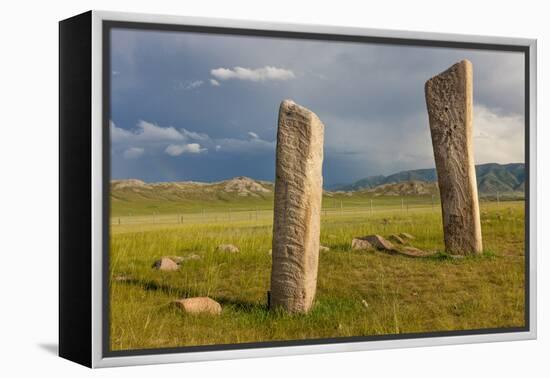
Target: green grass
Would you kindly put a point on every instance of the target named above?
(403, 295)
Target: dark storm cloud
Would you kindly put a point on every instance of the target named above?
(228, 88)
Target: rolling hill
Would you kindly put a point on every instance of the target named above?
(491, 178)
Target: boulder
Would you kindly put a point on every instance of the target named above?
(199, 305)
(165, 264)
(378, 242)
(227, 248)
(360, 244)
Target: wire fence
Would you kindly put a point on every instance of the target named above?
(229, 215)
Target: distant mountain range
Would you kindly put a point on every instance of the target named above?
(491, 178)
(135, 196)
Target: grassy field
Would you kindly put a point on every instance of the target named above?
(359, 293)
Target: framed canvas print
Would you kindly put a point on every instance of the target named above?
(233, 189)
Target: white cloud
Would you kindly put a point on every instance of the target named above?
(145, 132)
(258, 74)
(155, 139)
(214, 83)
(150, 131)
(133, 152)
(498, 138)
(178, 149)
(188, 85)
(118, 134)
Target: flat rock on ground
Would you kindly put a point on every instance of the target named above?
(360, 244)
(199, 305)
(165, 264)
(227, 248)
(322, 248)
(379, 243)
(413, 252)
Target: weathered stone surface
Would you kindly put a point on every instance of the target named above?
(449, 99)
(227, 248)
(413, 252)
(165, 264)
(322, 248)
(199, 305)
(360, 244)
(396, 239)
(297, 209)
(379, 243)
(405, 236)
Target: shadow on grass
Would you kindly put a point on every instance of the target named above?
(155, 286)
(179, 292)
(243, 306)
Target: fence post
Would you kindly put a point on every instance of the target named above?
(371, 207)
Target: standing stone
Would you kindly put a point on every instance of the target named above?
(297, 210)
(449, 97)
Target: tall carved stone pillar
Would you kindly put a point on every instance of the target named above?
(297, 210)
(449, 98)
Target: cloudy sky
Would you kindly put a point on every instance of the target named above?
(203, 107)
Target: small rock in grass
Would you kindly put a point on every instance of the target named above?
(121, 278)
(165, 264)
(406, 236)
(227, 248)
(199, 305)
(396, 239)
(359, 244)
(270, 251)
(322, 248)
(413, 252)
